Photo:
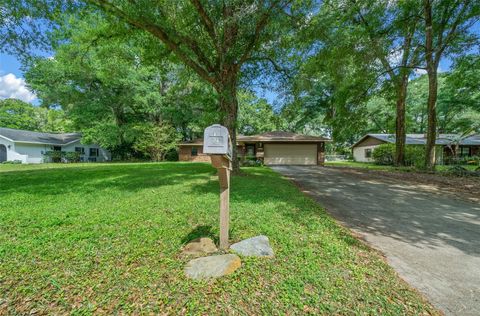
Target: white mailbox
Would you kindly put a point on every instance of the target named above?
(216, 141)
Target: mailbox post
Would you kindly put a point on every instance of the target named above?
(218, 146)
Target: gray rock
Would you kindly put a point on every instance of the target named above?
(199, 246)
(257, 246)
(212, 267)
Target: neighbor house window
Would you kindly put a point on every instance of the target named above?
(368, 153)
(57, 148)
(80, 150)
(93, 152)
(194, 151)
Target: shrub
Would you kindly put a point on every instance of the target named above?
(251, 162)
(414, 156)
(12, 162)
(473, 160)
(385, 155)
(61, 156)
(460, 171)
(72, 156)
(55, 156)
(172, 155)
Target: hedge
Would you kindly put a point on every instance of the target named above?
(385, 155)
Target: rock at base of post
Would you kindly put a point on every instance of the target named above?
(212, 266)
(199, 246)
(257, 246)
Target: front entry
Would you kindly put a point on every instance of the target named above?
(3, 153)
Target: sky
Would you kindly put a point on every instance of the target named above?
(12, 84)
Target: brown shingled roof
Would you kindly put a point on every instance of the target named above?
(279, 136)
(275, 136)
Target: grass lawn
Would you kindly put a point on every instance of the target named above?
(370, 165)
(365, 165)
(105, 238)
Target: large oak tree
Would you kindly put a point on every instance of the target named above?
(214, 38)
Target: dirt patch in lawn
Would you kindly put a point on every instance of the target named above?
(461, 187)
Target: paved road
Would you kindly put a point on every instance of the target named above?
(431, 239)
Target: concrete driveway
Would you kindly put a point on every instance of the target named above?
(431, 239)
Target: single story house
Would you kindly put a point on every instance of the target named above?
(31, 147)
(468, 146)
(273, 148)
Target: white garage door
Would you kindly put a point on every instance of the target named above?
(290, 154)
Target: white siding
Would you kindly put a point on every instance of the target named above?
(34, 153)
(103, 155)
(11, 153)
(359, 153)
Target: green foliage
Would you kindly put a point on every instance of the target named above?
(456, 107)
(61, 156)
(72, 156)
(460, 171)
(415, 156)
(464, 81)
(384, 155)
(12, 162)
(54, 156)
(108, 85)
(255, 115)
(156, 140)
(118, 229)
(17, 114)
(21, 115)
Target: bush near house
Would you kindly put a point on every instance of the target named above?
(385, 153)
(62, 156)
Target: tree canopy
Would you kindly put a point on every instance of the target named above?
(341, 69)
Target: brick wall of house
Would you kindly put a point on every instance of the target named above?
(185, 154)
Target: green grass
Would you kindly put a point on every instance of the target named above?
(370, 165)
(356, 164)
(105, 238)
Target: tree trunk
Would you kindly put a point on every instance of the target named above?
(432, 121)
(432, 88)
(400, 130)
(227, 93)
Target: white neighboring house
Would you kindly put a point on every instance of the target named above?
(468, 146)
(30, 147)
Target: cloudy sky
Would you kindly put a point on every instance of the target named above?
(12, 84)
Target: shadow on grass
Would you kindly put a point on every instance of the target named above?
(132, 178)
(255, 187)
(200, 231)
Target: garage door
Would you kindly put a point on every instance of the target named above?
(290, 154)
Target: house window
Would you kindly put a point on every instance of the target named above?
(93, 152)
(80, 150)
(57, 148)
(194, 151)
(368, 153)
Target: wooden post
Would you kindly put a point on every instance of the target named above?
(223, 165)
(224, 177)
